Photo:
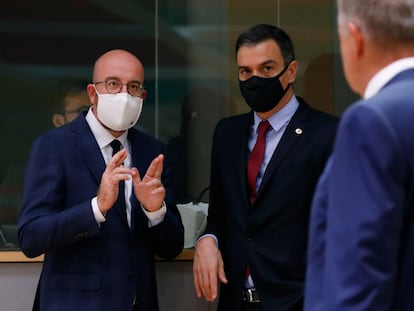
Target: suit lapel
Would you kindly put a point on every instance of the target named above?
(86, 144)
(240, 147)
(290, 137)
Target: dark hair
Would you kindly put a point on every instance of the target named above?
(263, 32)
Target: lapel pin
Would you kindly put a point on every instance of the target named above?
(298, 131)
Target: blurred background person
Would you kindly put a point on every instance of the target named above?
(75, 101)
(361, 250)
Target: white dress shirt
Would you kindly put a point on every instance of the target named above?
(104, 138)
(386, 74)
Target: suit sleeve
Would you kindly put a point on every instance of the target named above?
(216, 215)
(44, 223)
(167, 237)
(364, 216)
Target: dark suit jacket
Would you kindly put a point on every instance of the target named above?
(270, 235)
(361, 249)
(87, 266)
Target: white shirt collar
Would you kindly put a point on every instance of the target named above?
(102, 135)
(386, 74)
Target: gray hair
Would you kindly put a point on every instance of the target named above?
(383, 21)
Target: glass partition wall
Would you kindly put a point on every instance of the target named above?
(187, 48)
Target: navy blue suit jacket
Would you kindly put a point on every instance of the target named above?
(270, 235)
(87, 266)
(361, 249)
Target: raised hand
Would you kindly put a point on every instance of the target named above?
(113, 174)
(149, 190)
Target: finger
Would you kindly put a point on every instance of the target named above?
(212, 285)
(159, 167)
(118, 159)
(136, 178)
(222, 274)
(196, 284)
(204, 286)
(154, 182)
(121, 173)
(156, 166)
(207, 280)
(201, 278)
(158, 191)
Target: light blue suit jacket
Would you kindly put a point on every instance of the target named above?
(361, 247)
(86, 266)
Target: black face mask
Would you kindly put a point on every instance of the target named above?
(263, 94)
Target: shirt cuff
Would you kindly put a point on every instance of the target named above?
(154, 218)
(205, 236)
(99, 217)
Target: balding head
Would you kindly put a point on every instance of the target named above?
(116, 63)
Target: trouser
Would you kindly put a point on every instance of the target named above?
(258, 306)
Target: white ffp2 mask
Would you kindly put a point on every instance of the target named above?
(120, 111)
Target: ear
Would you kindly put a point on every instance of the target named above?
(93, 97)
(293, 70)
(144, 94)
(58, 120)
(358, 40)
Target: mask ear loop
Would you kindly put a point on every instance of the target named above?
(96, 91)
(281, 73)
(284, 70)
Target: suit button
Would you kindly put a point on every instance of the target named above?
(131, 278)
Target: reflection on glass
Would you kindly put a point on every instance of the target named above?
(187, 49)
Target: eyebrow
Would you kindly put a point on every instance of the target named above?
(267, 62)
(111, 77)
(116, 78)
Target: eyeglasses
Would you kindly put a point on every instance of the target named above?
(113, 86)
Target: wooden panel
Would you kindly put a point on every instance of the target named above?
(17, 256)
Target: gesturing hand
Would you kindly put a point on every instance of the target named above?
(113, 174)
(149, 190)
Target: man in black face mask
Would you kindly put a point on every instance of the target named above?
(262, 183)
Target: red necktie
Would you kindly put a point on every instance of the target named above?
(254, 163)
(256, 158)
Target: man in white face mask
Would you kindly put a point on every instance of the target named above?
(98, 200)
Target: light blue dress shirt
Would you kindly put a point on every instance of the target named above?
(279, 121)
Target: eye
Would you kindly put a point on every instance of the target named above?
(113, 84)
(134, 86)
(244, 71)
(268, 68)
